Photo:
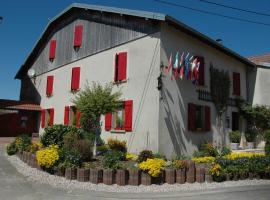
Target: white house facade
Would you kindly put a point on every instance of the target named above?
(131, 49)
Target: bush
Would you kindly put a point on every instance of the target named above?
(34, 147)
(54, 135)
(101, 150)
(267, 142)
(12, 149)
(209, 150)
(205, 159)
(70, 158)
(111, 159)
(84, 147)
(144, 155)
(117, 145)
(152, 166)
(250, 136)
(235, 136)
(48, 157)
(157, 155)
(23, 142)
(225, 151)
(70, 138)
(179, 164)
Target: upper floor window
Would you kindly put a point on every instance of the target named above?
(75, 78)
(49, 88)
(52, 50)
(120, 69)
(236, 84)
(78, 34)
(199, 118)
(47, 117)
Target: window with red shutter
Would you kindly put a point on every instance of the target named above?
(120, 68)
(66, 115)
(52, 50)
(49, 90)
(191, 117)
(236, 84)
(75, 78)
(108, 121)
(51, 113)
(207, 122)
(43, 114)
(78, 34)
(201, 70)
(116, 68)
(78, 119)
(128, 115)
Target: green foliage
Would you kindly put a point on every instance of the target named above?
(225, 151)
(235, 136)
(23, 142)
(160, 156)
(143, 155)
(220, 88)
(206, 149)
(111, 159)
(69, 158)
(250, 136)
(55, 134)
(117, 145)
(96, 100)
(267, 142)
(88, 165)
(84, 147)
(12, 149)
(101, 150)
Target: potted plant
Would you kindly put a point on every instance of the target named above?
(83, 173)
(121, 176)
(235, 139)
(250, 137)
(190, 171)
(134, 176)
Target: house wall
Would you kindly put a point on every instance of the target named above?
(176, 94)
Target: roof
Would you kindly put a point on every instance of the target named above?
(129, 12)
(18, 105)
(263, 60)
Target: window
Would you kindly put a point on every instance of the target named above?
(72, 116)
(120, 119)
(120, 71)
(75, 78)
(199, 118)
(47, 117)
(78, 33)
(49, 89)
(52, 50)
(235, 121)
(236, 84)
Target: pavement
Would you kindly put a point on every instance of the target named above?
(14, 186)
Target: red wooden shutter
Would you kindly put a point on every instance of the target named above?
(108, 121)
(236, 83)
(116, 68)
(49, 89)
(52, 49)
(78, 119)
(51, 111)
(66, 115)
(201, 70)
(191, 117)
(207, 117)
(75, 79)
(122, 66)
(128, 115)
(78, 33)
(42, 118)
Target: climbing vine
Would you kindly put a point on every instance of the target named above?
(220, 88)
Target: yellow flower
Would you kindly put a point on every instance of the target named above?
(215, 169)
(152, 166)
(235, 155)
(131, 156)
(206, 159)
(47, 157)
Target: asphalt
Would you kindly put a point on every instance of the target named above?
(13, 186)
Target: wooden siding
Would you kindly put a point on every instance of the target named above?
(101, 31)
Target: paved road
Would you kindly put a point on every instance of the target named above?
(13, 186)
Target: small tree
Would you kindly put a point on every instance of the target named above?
(93, 101)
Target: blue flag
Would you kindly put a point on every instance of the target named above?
(186, 65)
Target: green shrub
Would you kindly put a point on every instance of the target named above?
(55, 134)
(12, 149)
(69, 158)
(250, 136)
(84, 147)
(235, 136)
(158, 155)
(70, 138)
(225, 151)
(143, 155)
(101, 150)
(111, 159)
(206, 149)
(23, 142)
(117, 145)
(267, 142)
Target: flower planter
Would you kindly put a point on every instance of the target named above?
(29, 158)
(59, 172)
(83, 175)
(95, 176)
(170, 176)
(121, 177)
(208, 176)
(24, 156)
(234, 146)
(190, 171)
(160, 179)
(108, 176)
(71, 174)
(180, 176)
(200, 174)
(250, 145)
(236, 177)
(146, 179)
(134, 177)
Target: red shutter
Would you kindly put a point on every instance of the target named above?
(116, 68)
(128, 115)
(78, 33)
(108, 121)
(51, 111)
(52, 49)
(191, 117)
(66, 115)
(78, 119)
(49, 89)
(42, 118)
(236, 84)
(122, 66)
(207, 122)
(201, 70)
(75, 79)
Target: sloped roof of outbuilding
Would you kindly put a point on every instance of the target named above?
(135, 13)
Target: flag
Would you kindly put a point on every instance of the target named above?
(181, 67)
(193, 70)
(196, 73)
(175, 66)
(186, 65)
(169, 64)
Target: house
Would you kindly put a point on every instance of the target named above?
(131, 49)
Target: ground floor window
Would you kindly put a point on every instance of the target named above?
(72, 116)
(235, 121)
(199, 117)
(47, 117)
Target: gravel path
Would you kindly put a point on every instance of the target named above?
(35, 175)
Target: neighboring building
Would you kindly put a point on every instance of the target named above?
(130, 48)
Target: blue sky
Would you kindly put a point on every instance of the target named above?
(25, 20)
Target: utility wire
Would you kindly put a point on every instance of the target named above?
(210, 13)
(235, 8)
